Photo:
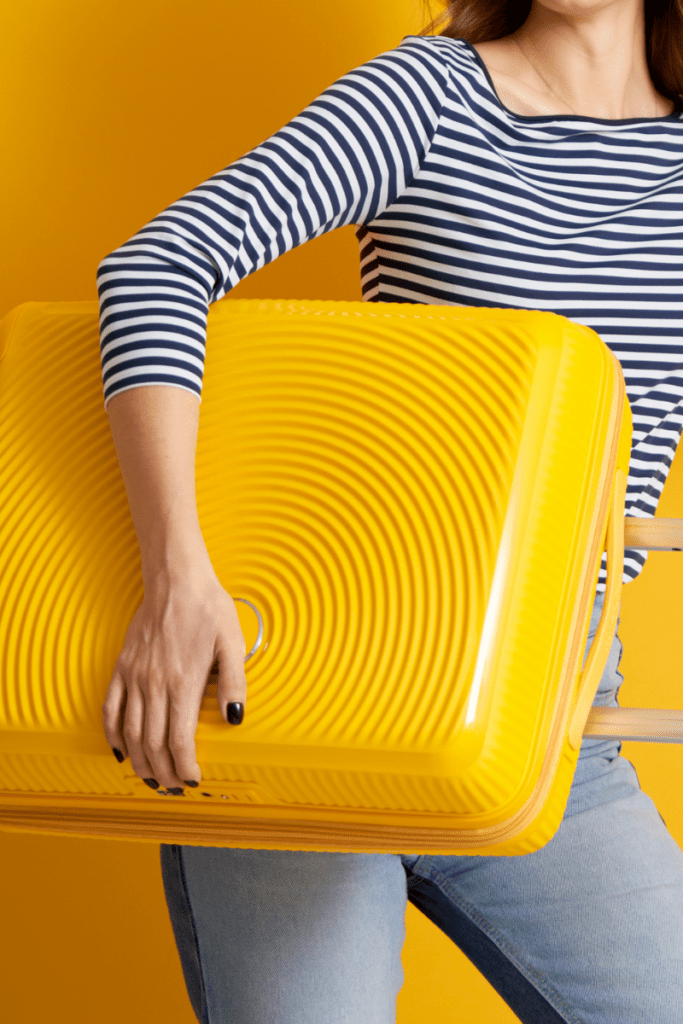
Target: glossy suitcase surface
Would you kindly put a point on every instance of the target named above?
(410, 503)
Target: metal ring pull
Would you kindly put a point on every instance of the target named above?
(259, 638)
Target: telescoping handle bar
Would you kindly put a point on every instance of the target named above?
(646, 725)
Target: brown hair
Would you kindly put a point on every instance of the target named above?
(480, 21)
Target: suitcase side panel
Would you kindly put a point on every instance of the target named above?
(540, 624)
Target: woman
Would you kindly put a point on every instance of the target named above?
(529, 156)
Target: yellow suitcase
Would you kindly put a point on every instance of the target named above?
(410, 504)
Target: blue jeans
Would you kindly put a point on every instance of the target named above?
(587, 930)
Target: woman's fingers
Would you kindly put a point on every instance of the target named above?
(178, 636)
(232, 679)
(182, 730)
(112, 713)
(134, 716)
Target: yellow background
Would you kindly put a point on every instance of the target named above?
(110, 111)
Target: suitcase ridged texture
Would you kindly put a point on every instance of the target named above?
(355, 466)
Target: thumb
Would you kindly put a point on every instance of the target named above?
(232, 680)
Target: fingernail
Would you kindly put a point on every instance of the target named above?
(235, 712)
(118, 755)
(152, 783)
(176, 790)
(191, 782)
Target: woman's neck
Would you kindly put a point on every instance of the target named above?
(594, 61)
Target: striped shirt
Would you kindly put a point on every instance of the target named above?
(456, 201)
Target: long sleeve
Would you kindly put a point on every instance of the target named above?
(343, 160)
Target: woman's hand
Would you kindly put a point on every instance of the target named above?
(185, 625)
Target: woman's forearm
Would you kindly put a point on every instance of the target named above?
(155, 428)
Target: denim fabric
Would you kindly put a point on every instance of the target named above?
(587, 930)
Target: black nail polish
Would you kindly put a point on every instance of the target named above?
(152, 783)
(118, 755)
(191, 782)
(176, 790)
(235, 712)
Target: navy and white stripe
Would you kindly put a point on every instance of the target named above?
(457, 201)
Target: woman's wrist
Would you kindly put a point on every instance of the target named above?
(176, 560)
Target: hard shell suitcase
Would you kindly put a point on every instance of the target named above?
(409, 504)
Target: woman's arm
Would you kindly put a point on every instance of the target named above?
(187, 622)
(155, 436)
(343, 160)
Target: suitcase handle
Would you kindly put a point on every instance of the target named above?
(259, 638)
(653, 534)
(653, 725)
